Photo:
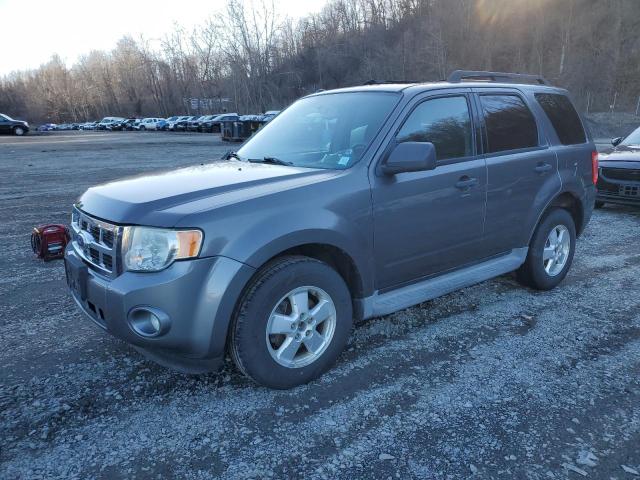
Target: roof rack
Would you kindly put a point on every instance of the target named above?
(481, 76)
(388, 82)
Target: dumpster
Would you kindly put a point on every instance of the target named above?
(232, 131)
(241, 128)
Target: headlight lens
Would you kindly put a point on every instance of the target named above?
(146, 249)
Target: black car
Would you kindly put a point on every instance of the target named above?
(9, 125)
(619, 173)
(181, 125)
(214, 125)
(124, 124)
(195, 125)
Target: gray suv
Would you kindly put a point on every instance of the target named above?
(350, 204)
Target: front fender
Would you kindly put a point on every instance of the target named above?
(272, 236)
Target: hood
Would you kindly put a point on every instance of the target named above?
(622, 153)
(163, 199)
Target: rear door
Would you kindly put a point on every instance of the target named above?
(429, 222)
(573, 146)
(519, 162)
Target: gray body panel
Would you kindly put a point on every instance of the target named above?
(411, 237)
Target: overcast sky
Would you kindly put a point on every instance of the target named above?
(70, 28)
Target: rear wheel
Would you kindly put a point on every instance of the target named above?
(143, 128)
(292, 322)
(550, 251)
(19, 131)
(599, 204)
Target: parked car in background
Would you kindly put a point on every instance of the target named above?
(107, 122)
(167, 122)
(215, 124)
(181, 125)
(149, 123)
(360, 202)
(89, 125)
(619, 179)
(270, 115)
(47, 127)
(12, 126)
(122, 125)
(162, 124)
(172, 121)
(195, 125)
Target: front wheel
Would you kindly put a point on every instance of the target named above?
(292, 322)
(550, 251)
(19, 131)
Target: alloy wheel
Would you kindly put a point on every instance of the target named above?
(301, 327)
(556, 250)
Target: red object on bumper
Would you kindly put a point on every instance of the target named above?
(49, 241)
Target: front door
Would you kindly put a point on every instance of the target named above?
(430, 222)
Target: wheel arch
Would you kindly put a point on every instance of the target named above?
(568, 201)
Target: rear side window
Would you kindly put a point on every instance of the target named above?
(510, 124)
(445, 122)
(563, 117)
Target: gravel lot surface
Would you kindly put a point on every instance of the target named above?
(494, 381)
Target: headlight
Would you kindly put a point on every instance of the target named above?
(146, 249)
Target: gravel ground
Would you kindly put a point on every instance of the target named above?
(494, 381)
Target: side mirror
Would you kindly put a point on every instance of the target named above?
(410, 157)
(616, 141)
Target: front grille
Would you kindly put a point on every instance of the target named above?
(96, 241)
(629, 191)
(624, 174)
(107, 238)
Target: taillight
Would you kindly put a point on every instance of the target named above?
(594, 167)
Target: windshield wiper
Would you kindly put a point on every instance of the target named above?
(271, 160)
(231, 154)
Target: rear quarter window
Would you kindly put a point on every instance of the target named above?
(563, 117)
(509, 122)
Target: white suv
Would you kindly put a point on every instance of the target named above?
(149, 124)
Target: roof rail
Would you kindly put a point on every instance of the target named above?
(385, 82)
(481, 76)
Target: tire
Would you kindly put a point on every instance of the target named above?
(544, 274)
(274, 301)
(142, 128)
(19, 131)
(598, 204)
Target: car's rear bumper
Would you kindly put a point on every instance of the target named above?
(197, 296)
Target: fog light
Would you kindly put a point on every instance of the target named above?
(149, 321)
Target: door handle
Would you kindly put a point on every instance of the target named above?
(466, 183)
(543, 167)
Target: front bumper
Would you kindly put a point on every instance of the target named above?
(197, 295)
(623, 192)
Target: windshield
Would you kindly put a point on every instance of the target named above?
(632, 139)
(324, 131)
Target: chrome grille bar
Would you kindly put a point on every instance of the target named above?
(95, 241)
